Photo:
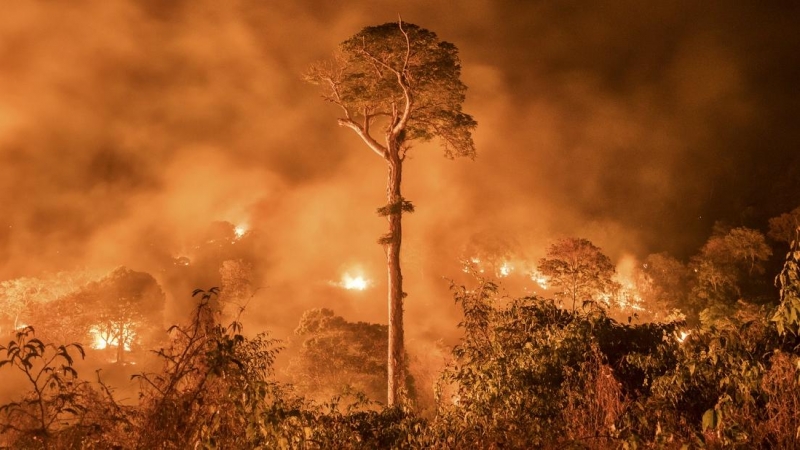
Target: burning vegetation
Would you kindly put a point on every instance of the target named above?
(586, 346)
(556, 340)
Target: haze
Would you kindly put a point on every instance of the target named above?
(127, 129)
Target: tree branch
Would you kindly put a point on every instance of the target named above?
(337, 99)
(401, 79)
(372, 143)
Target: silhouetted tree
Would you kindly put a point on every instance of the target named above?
(785, 228)
(724, 263)
(401, 79)
(125, 305)
(337, 355)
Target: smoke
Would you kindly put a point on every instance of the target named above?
(126, 128)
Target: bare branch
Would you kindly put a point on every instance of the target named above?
(408, 44)
(372, 143)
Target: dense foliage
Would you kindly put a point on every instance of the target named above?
(528, 372)
(338, 356)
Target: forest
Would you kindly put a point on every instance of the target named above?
(605, 255)
(702, 354)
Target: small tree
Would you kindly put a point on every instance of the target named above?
(236, 276)
(784, 228)
(338, 356)
(578, 269)
(128, 305)
(214, 390)
(403, 80)
(18, 295)
(54, 399)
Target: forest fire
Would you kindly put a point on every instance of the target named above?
(208, 237)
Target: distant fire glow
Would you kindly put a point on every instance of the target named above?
(102, 340)
(683, 335)
(539, 279)
(353, 281)
(505, 270)
(473, 265)
(240, 231)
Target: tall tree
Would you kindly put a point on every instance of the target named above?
(404, 81)
(578, 270)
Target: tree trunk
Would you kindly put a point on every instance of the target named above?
(121, 344)
(396, 367)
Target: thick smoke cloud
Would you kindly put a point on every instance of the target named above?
(127, 127)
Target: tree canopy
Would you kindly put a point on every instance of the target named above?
(784, 228)
(403, 77)
(578, 269)
(337, 355)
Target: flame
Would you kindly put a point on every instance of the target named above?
(240, 231)
(505, 270)
(539, 279)
(628, 297)
(98, 341)
(102, 339)
(473, 264)
(357, 283)
(683, 335)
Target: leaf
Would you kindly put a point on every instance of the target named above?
(80, 349)
(708, 419)
(711, 419)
